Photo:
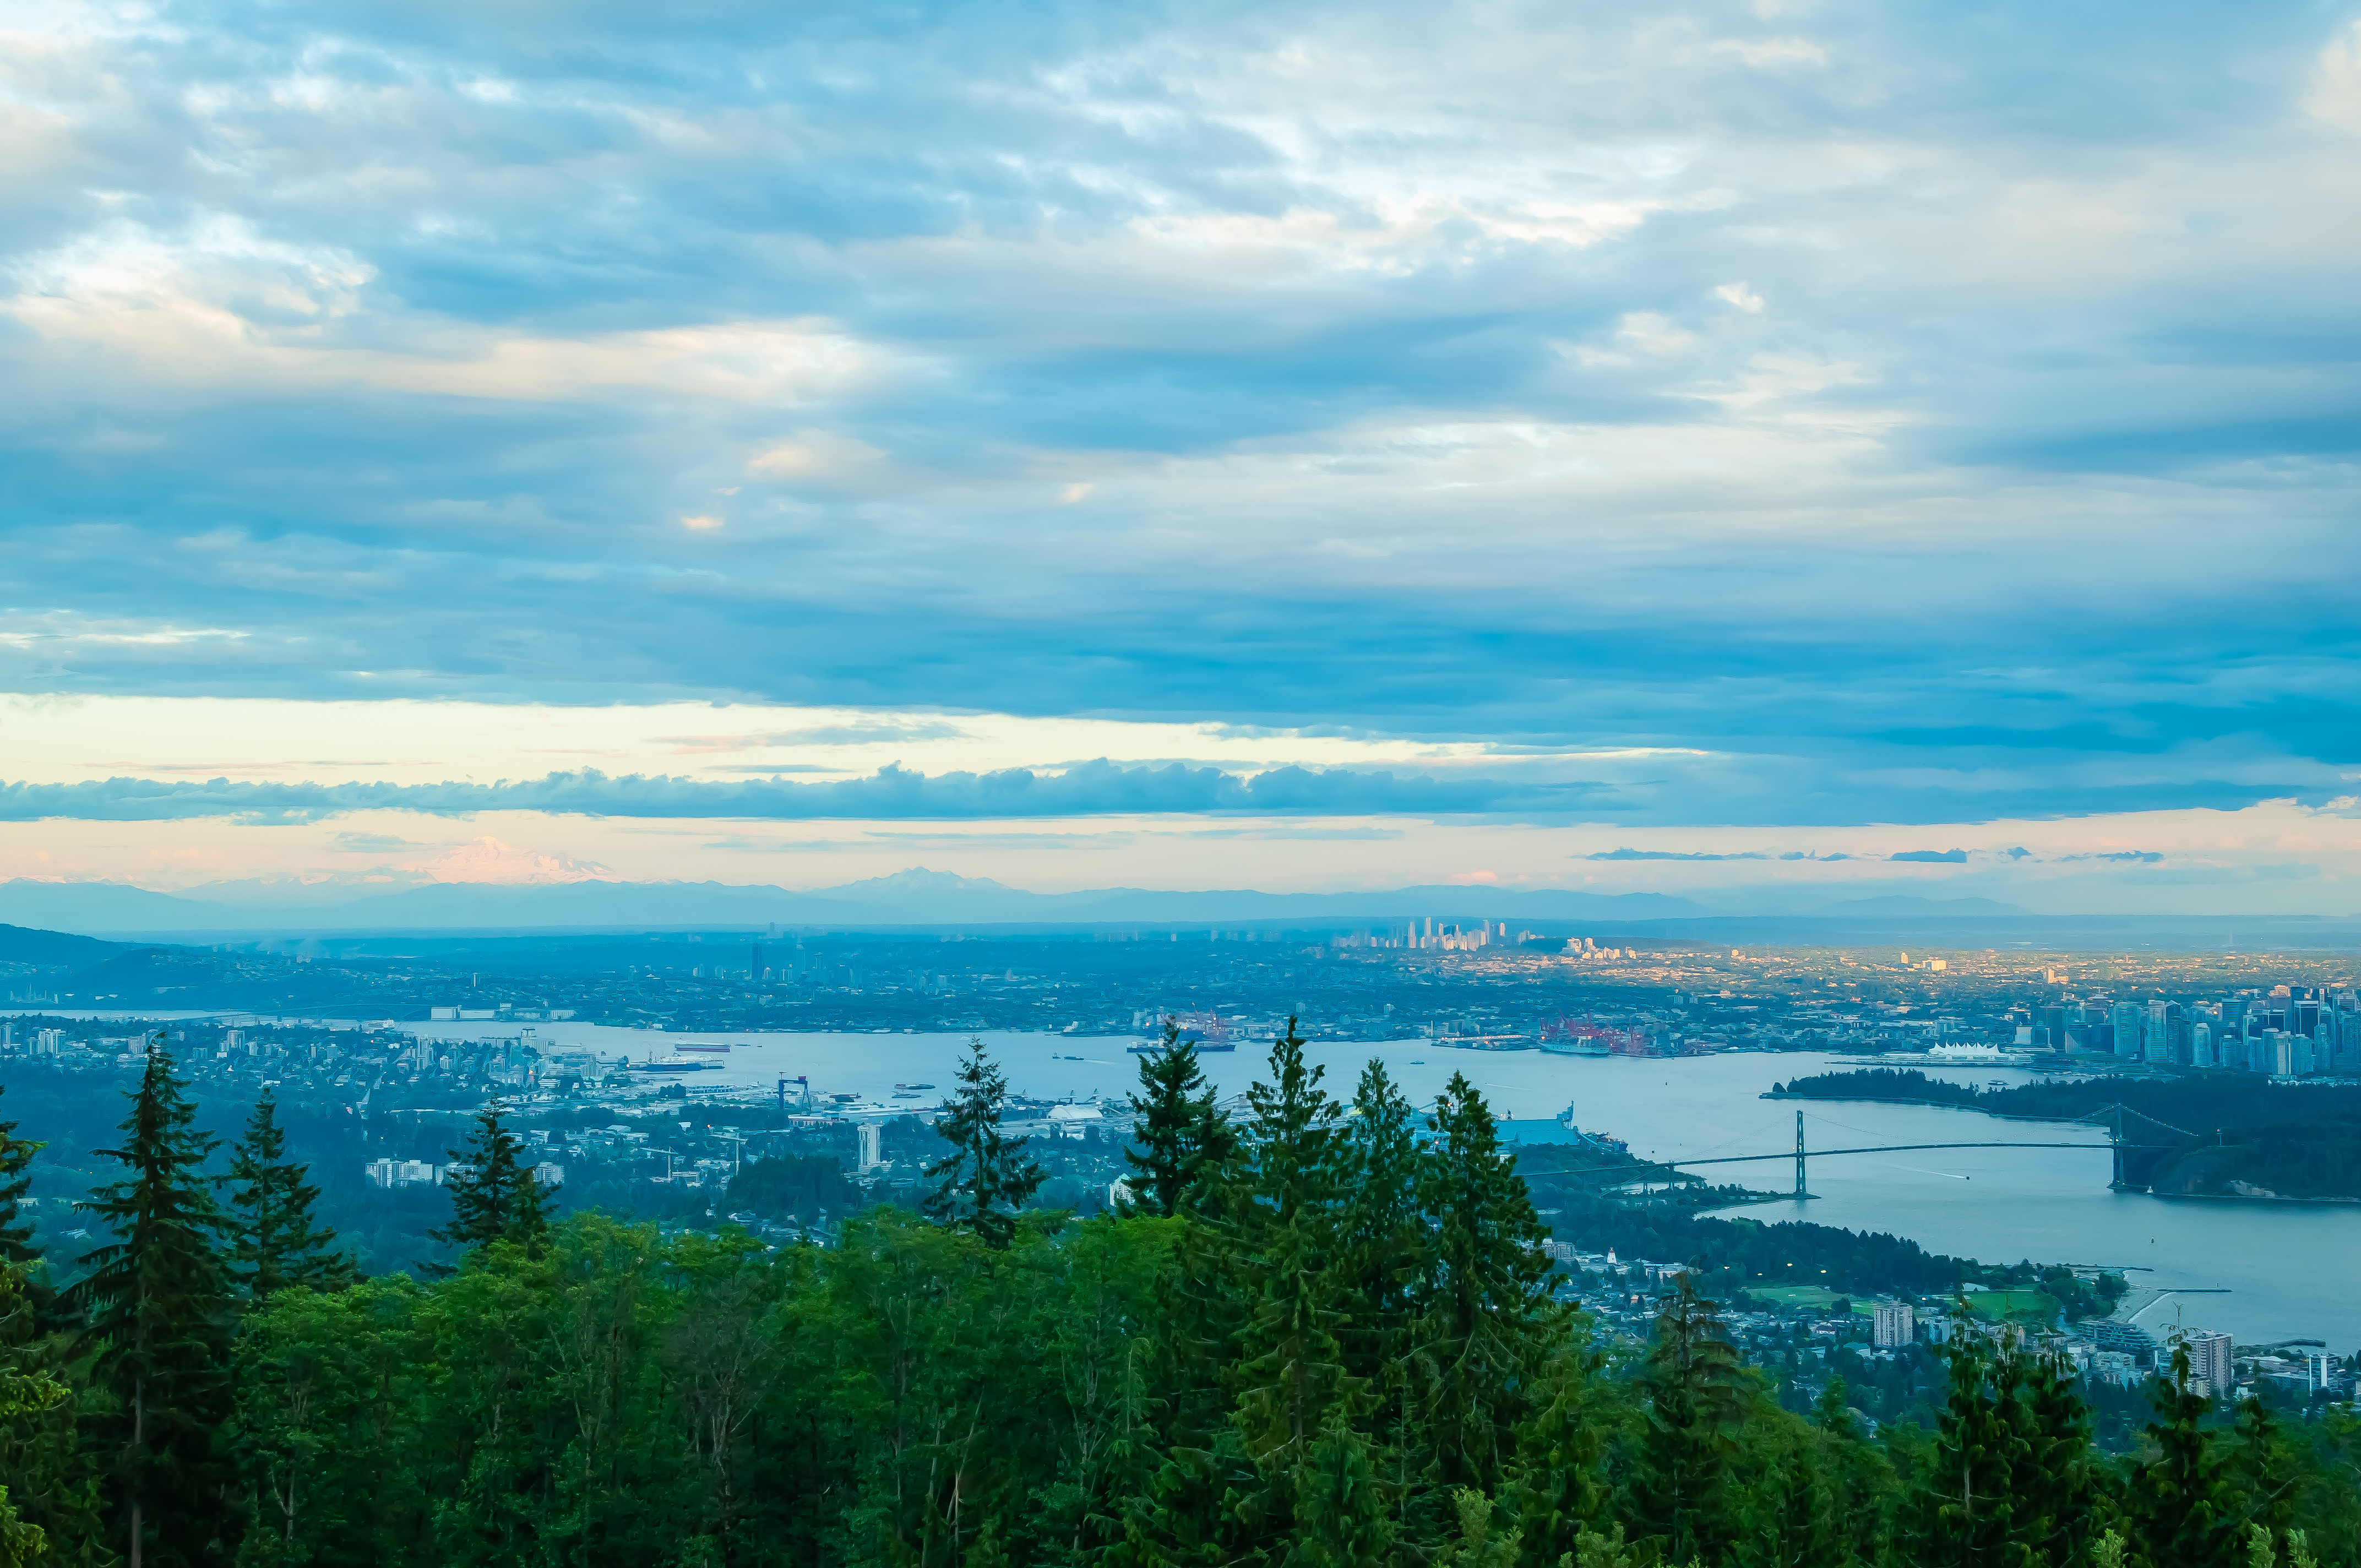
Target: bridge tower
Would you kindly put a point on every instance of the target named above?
(1800, 1192)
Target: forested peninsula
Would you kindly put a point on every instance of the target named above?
(1322, 1334)
(2226, 1134)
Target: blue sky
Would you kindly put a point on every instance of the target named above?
(1804, 416)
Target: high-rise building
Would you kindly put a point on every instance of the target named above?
(2131, 1027)
(1893, 1323)
(2211, 1360)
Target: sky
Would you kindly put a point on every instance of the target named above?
(1711, 449)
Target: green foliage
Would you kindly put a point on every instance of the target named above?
(494, 1197)
(15, 1181)
(793, 1187)
(2184, 1511)
(156, 1313)
(1696, 1394)
(1182, 1136)
(273, 1243)
(985, 1178)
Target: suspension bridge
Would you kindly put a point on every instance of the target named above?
(2135, 1163)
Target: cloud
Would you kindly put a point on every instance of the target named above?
(1668, 855)
(1091, 789)
(1933, 857)
(2120, 857)
(1565, 377)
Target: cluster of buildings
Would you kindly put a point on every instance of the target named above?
(426, 1173)
(2287, 1031)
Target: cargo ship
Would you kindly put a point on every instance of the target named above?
(676, 1064)
(1209, 1032)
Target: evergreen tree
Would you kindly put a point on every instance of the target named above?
(31, 1396)
(494, 1196)
(15, 1181)
(985, 1178)
(1556, 1490)
(1860, 1477)
(1964, 1513)
(1385, 1261)
(1785, 1512)
(1487, 1308)
(1343, 1519)
(2263, 1464)
(1289, 1372)
(2183, 1512)
(156, 1315)
(2058, 1493)
(1696, 1395)
(1183, 1134)
(273, 1242)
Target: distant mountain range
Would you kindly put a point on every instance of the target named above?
(919, 897)
(915, 897)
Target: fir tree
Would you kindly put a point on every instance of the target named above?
(1963, 1514)
(2182, 1511)
(1289, 1372)
(2263, 1462)
(2057, 1491)
(1385, 1261)
(494, 1195)
(15, 1181)
(1695, 1391)
(1487, 1305)
(1183, 1135)
(158, 1313)
(1556, 1490)
(985, 1178)
(273, 1242)
(1785, 1515)
(1343, 1519)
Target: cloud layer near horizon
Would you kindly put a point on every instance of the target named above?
(1921, 418)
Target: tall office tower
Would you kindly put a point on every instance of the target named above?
(2200, 1045)
(2131, 1021)
(2159, 1043)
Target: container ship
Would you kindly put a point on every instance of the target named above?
(1209, 1032)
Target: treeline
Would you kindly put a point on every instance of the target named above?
(1322, 1336)
(2201, 1103)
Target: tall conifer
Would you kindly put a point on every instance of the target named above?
(494, 1196)
(1964, 1515)
(985, 1178)
(1488, 1304)
(1694, 1393)
(1183, 1135)
(2184, 1511)
(1290, 1373)
(156, 1313)
(15, 1181)
(274, 1244)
